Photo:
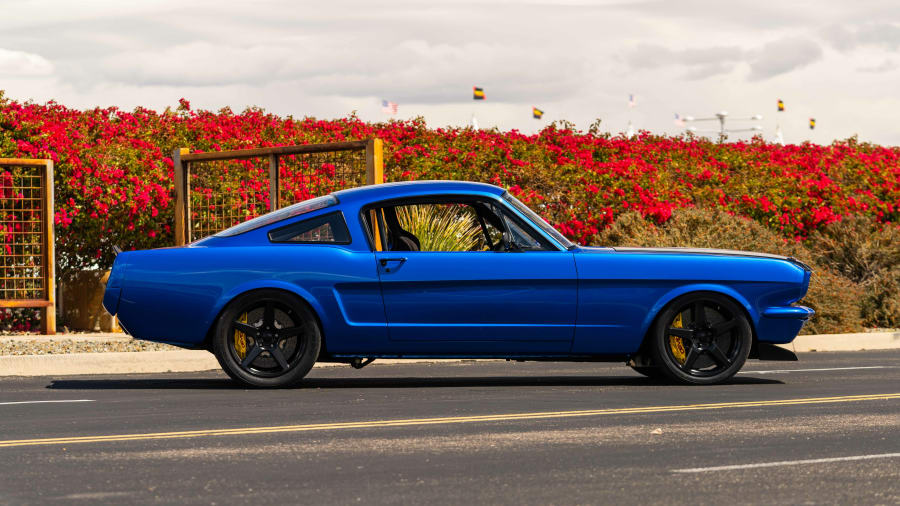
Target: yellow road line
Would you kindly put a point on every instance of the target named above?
(442, 420)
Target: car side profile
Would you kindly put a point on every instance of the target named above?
(443, 269)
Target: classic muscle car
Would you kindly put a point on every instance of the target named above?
(450, 270)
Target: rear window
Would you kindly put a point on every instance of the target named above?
(328, 229)
(307, 206)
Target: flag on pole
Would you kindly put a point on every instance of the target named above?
(780, 105)
(477, 93)
(812, 123)
(388, 107)
(679, 121)
(537, 113)
(631, 100)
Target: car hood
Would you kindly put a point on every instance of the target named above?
(697, 251)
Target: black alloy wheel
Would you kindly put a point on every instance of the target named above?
(701, 338)
(267, 338)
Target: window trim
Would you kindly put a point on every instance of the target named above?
(505, 208)
(339, 213)
(222, 233)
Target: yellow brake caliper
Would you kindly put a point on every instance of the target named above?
(240, 340)
(675, 342)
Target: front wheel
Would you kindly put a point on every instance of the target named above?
(267, 338)
(701, 338)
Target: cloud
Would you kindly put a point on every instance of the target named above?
(22, 64)
(772, 59)
(885, 66)
(882, 35)
(700, 63)
(408, 70)
(783, 56)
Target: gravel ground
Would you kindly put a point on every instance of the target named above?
(40, 345)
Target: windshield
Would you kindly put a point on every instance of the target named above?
(307, 206)
(537, 220)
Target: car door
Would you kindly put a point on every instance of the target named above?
(442, 294)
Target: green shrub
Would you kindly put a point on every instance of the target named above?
(881, 302)
(857, 246)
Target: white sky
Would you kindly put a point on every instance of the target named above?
(835, 60)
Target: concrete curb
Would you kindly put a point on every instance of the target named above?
(71, 364)
(846, 342)
(67, 364)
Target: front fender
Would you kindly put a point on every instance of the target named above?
(671, 295)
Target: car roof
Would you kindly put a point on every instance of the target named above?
(373, 193)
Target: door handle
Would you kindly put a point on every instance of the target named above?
(384, 262)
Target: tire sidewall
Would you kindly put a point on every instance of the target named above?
(312, 340)
(660, 339)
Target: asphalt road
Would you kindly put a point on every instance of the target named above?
(822, 430)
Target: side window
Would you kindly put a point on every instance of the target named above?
(520, 237)
(451, 225)
(446, 226)
(328, 228)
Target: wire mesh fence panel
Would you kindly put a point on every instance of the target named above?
(217, 190)
(308, 175)
(26, 241)
(23, 241)
(224, 193)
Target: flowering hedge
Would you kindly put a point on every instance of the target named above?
(114, 172)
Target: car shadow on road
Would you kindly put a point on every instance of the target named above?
(385, 382)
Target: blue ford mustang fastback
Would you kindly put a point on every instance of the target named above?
(451, 269)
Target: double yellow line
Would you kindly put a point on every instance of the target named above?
(440, 421)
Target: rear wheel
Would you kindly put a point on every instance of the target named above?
(267, 338)
(701, 338)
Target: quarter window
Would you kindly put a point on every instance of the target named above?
(328, 228)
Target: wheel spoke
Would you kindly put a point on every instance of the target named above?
(699, 311)
(690, 358)
(246, 328)
(723, 327)
(682, 333)
(251, 356)
(269, 315)
(279, 357)
(288, 332)
(718, 356)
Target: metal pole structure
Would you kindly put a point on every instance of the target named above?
(723, 131)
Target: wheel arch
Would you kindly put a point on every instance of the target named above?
(289, 289)
(663, 302)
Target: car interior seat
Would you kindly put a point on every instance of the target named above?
(398, 238)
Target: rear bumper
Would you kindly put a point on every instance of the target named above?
(780, 325)
(789, 313)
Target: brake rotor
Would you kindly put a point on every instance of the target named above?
(675, 342)
(240, 340)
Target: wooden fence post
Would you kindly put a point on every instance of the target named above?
(48, 316)
(374, 161)
(274, 202)
(180, 197)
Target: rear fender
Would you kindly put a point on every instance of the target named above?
(259, 284)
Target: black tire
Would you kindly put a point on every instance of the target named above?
(267, 338)
(701, 338)
(650, 372)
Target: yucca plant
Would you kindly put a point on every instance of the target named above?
(440, 228)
